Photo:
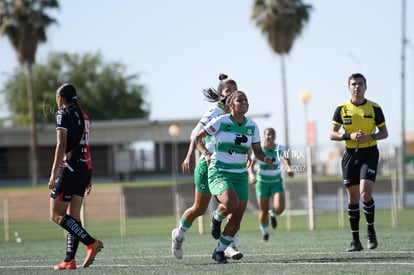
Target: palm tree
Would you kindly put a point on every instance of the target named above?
(24, 23)
(281, 21)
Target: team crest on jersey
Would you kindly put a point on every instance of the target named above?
(220, 186)
(202, 186)
(212, 129)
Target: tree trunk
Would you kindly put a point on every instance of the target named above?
(284, 100)
(33, 129)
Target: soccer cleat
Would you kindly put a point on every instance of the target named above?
(215, 227)
(372, 241)
(91, 251)
(355, 246)
(265, 237)
(219, 257)
(176, 245)
(231, 252)
(273, 220)
(65, 265)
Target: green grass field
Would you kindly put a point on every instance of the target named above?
(147, 248)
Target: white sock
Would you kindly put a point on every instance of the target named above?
(221, 246)
(235, 238)
(265, 230)
(180, 233)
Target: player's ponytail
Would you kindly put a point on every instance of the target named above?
(211, 94)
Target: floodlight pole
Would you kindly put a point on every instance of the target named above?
(402, 178)
(174, 131)
(305, 97)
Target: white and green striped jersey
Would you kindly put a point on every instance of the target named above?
(277, 155)
(232, 142)
(214, 111)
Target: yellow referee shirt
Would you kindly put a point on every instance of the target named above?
(353, 118)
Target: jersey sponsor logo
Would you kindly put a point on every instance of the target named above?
(240, 139)
(220, 186)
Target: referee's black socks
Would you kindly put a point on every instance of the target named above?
(354, 216)
(369, 211)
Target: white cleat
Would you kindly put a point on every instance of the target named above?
(231, 252)
(176, 248)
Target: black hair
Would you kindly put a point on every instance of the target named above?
(224, 80)
(68, 92)
(231, 97)
(357, 75)
(211, 94)
(214, 95)
(270, 129)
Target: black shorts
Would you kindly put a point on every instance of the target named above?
(71, 180)
(359, 164)
(89, 177)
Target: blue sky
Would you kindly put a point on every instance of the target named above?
(180, 47)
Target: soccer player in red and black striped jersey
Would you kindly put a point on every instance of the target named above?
(70, 176)
(363, 123)
(72, 242)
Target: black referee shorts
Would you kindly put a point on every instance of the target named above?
(359, 164)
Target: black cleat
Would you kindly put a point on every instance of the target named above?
(265, 237)
(215, 227)
(273, 220)
(219, 257)
(355, 246)
(372, 241)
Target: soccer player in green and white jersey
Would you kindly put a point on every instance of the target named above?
(227, 166)
(202, 193)
(269, 182)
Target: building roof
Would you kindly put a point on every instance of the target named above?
(105, 132)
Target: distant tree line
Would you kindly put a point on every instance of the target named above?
(105, 90)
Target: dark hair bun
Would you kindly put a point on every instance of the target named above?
(223, 77)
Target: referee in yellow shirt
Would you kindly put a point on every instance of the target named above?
(363, 123)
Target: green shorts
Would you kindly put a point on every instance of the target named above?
(201, 177)
(266, 189)
(220, 181)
